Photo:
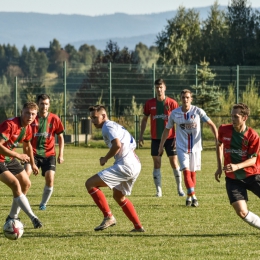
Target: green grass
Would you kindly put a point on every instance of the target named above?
(211, 231)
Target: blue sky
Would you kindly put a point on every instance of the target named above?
(100, 7)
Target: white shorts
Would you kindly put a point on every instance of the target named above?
(121, 176)
(191, 161)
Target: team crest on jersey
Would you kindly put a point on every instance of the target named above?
(192, 116)
(167, 107)
(50, 125)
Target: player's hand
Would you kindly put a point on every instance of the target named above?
(102, 161)
(174, 144)
(141, 142)
(23, 158)
(35, 169)
(230, 167)
(218, 174)
(60, 160)
(160, 151)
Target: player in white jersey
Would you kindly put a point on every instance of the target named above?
(121, 176)
(188, 141)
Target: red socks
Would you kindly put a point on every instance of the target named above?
(190, 181)
(100, 199)
(129, 210)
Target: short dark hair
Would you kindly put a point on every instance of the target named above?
(159, 81)
(244, 109)
(96, 108)
(30, 105)
(43, 97)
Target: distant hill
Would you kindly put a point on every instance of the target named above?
(37, 29)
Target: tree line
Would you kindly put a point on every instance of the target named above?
(225, 38)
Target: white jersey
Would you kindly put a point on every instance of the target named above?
(188, 130)
(112, 130)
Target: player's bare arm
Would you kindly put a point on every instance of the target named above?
(214, 130)
(143, 126)
(60, 158)
(219, 151)
(116, 145)
(163, 139)
(231, 167)
(27, 148)
(6, 152)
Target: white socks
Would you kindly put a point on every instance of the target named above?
(23, 203)
(252, 219)
(177, 175)
(15, 210)
(157, 181)
(47, 192)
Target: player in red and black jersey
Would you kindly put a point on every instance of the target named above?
(45, 126)
(240, 145)
(12, 132)
(159, 109)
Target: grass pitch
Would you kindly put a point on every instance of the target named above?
(211, 231)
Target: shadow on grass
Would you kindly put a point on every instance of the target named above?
(130, 234)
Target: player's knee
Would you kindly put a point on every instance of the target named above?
(241, 212)
(88, 185)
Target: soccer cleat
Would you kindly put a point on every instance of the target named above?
(36, 223)
(194, 203)
(8, 218)
(181, 193)
(107, 222)
(188, 203)
(42, 207)
(158, 194)
(138, 230)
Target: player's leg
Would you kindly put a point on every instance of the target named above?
(28, 168)
(156, 167)
(173, 159)
(129, 210)
(48, 166)
(238, 198)
(48, 189)
(92, 186)
(19, 198)
(25, 184)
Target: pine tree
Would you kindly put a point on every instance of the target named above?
(206, 96)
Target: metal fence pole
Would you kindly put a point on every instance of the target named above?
(76, 134)
(16, 105)
(110, 89)
(65, 92)
(153, 79)
(136, 130)
(237, 94)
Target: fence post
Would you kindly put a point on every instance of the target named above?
(65, 92)
(110, 89)
(75, 126)
(237, 94)
(16, 87)
(136, 131)
(153, 79)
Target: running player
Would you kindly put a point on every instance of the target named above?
(12, 132)
(45, 127)
(121, 176)
(240, 146)
(188, 141)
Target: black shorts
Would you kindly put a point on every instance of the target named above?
(13, 166)
(46, 164)
(237, 189)
(167, 146)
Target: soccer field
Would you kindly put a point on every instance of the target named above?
(173, 231)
